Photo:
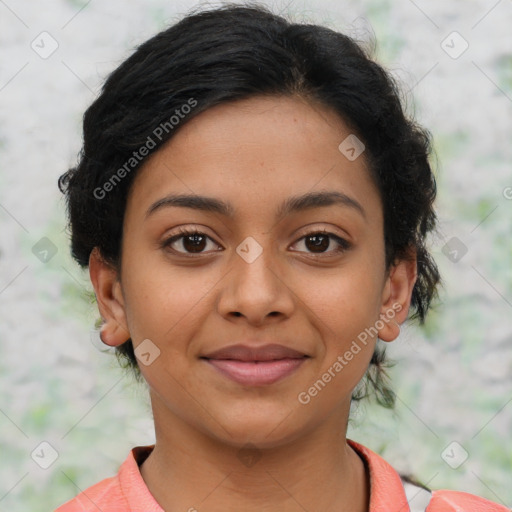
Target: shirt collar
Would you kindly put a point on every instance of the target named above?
(137, 494)
(386, 489)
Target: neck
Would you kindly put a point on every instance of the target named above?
(189, 470)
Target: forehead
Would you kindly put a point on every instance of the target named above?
(254, 153)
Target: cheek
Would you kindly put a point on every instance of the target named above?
(163, 301)
(346, 305)
(345, 299)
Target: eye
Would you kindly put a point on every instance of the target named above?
(191, 240)
(319, 241)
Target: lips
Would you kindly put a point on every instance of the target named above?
(256, 366)
(246, 353)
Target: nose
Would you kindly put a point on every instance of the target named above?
(256, 289)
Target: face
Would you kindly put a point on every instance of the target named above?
(294, 258)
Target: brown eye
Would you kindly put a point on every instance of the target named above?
(189, 241)
(318, 242)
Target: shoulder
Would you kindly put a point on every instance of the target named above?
(388, 491)
(106, 492)
(455, 501)
(126, 491)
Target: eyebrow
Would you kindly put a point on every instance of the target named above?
(291, 205)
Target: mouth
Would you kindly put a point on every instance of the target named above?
(250, 366)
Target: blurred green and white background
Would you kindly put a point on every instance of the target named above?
(453, 422)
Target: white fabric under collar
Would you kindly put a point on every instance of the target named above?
(417, 497)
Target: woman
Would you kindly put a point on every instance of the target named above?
(253, 205)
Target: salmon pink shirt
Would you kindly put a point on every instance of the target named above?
(127, 491)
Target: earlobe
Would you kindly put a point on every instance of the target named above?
(396, 298)
(107, 288)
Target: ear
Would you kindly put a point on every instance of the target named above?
(396, 296)
(107, 287)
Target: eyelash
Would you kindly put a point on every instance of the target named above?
(343, 245)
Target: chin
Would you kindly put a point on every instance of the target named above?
(262, 427)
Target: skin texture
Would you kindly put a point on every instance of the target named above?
(254, 154)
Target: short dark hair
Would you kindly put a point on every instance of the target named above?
(235, 52)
